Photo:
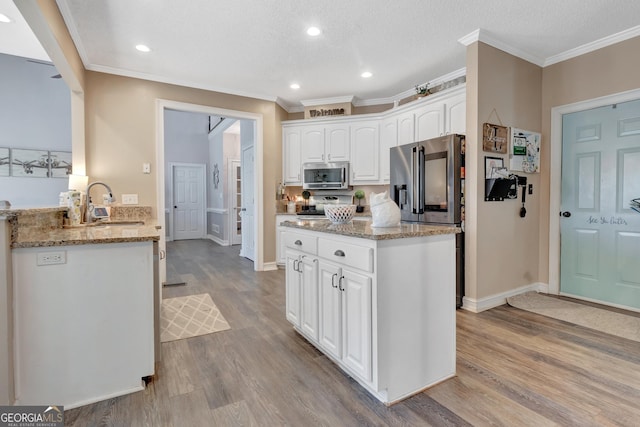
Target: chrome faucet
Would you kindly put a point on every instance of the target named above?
(87, 213)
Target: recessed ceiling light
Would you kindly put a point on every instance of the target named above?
(4, 18)
(366, 74)
(313, 31)
(143, 48)
(295, 86)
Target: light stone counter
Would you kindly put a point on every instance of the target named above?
(43, 227)
(364, 230)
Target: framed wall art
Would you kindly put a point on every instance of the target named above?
(524, 151)
(60, 162)
(5, 161)
(29, 163)
(495, 138)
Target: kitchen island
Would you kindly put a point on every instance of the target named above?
(379, 302)
(85, 303)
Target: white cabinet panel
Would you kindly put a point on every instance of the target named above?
(357, 314)
(406, 128)
(365, 168)
(337, 143)
(456, 114)
(309, 300)
(330, 303)
(292, 287)
(291, 155)
(325, 143)
(388, 139)
(313, 144)
(429, 121)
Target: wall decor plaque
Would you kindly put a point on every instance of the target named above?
(495, 138)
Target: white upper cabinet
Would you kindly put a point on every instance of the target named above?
(365, 159)
(388, 138)
(291, 156)
(365, 140)
(337, 143)
(429, 121)
(325, 143)
(456, 114)
(406, 128)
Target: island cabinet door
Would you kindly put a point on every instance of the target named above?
(357, 322)
(330, 302)
(293, 280)
(309, 300)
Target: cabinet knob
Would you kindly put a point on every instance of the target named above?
(297, 243)
(339, 252)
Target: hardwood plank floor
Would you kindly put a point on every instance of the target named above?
(514, 368)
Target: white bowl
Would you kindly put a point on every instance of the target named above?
(339, 214)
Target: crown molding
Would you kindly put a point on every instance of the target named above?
(590, 47)
(485, 37)
(326, 101)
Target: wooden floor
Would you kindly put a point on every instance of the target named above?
(514, 368)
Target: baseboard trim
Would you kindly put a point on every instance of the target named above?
(269, 266)
(482, 304)
(218, 240)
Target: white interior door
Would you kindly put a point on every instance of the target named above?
(188, 201)
(235, 202)
(247, 212)
(600, 233)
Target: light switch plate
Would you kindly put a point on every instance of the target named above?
(129, 199)
(146, 168)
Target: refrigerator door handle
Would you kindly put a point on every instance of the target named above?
(415, 171)
(417, 202)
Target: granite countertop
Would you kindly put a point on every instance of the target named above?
(357, 214)
(15, 211)
(363, 229)
(116, 232)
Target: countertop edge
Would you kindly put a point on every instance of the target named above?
(366, 231)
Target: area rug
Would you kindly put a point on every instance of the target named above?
(602, 320)
(190, 316)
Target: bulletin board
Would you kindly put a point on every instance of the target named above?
(524, 151)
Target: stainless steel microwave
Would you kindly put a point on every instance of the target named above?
(325, 176)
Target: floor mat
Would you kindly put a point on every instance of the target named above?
(602, 320)
(190, 316)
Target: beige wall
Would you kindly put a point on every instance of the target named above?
(501, 248)
(121, 136)
(606, 71)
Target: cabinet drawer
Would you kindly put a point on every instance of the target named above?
(301, 242)
(348, 254)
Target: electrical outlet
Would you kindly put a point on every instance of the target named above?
(51, 258)
(129, 199)
(146, 168)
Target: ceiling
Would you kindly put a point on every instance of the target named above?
(258, 48)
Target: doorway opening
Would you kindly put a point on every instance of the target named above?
(254, 125)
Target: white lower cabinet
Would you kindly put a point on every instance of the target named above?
(382, 310)
(345, 317)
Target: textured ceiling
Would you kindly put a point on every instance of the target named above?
(258, 48)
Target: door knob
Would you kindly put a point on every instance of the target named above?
(565, 214)
(175, 207)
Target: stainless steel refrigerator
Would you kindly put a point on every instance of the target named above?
(427, 183)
